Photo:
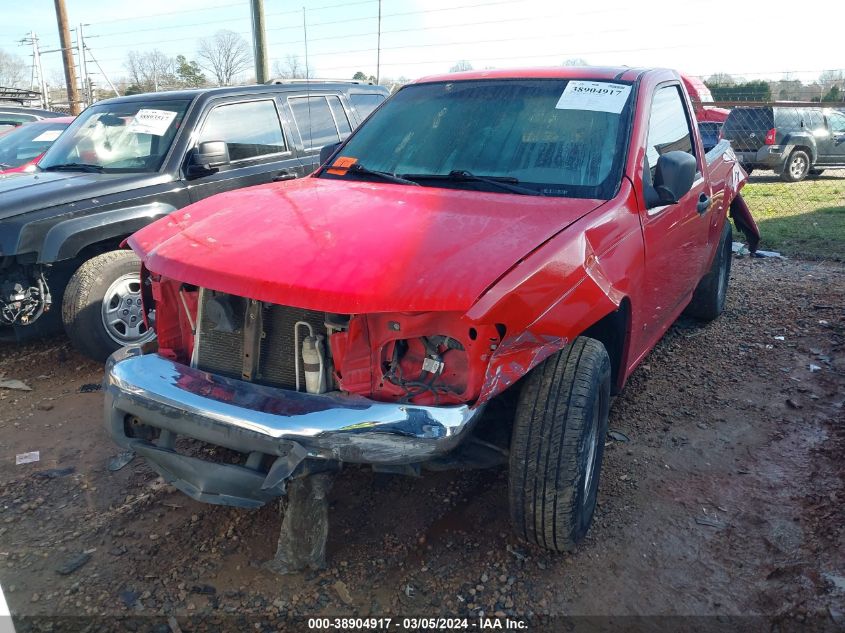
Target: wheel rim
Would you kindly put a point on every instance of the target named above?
(798, 166)
(122, 314)
(592, 450)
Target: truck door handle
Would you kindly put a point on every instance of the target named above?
(284, 175)
(703, 203)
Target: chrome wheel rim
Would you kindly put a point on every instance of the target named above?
(798, 166)
(123, 317)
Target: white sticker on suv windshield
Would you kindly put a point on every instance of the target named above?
(597, 96)
(153, 122)
(47, 137)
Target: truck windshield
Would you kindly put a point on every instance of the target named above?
(118, 137)
(467, 134)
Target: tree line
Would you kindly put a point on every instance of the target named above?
(828, 88)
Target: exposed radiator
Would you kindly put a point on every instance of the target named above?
(221, 352)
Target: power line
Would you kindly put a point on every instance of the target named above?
(155, 15)
(227, 6)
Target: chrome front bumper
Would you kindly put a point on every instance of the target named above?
(262, 421)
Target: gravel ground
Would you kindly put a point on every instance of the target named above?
(726, 500)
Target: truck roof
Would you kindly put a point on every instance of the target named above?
(618, 73)
(194, 93)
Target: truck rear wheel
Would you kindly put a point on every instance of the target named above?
(797, 166)
(708, 300)
(558, 444)
(102, 309)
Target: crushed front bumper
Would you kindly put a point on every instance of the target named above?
(265, 423)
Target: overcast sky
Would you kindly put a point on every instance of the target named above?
(420, 37)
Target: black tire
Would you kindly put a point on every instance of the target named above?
(84, 313)
(797, 166)
(708, 300)
(558, 444)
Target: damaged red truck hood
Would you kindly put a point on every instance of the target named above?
(353, 247)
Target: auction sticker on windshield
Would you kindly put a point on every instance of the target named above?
(597, 96)
(153, 122)
(48, 136)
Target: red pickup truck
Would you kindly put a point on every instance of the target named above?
(522, 234)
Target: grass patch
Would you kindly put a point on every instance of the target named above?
(803, 219)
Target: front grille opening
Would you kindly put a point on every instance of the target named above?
(209, 452)
(221, 338)
(134, 428)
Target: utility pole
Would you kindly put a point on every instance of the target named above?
(378, 46)
(37, 68)
(67, 57)
(259, 42)
(83, 65)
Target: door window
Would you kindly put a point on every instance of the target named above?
(668, 126)
(365, 103)
(250, 130)
(813, 120)
(837, 122)
(340, 117)
(315, 121)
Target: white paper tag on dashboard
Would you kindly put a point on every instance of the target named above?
(597, 96)
(47, 137)
(153, 122)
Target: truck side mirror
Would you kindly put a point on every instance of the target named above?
(673, 177)
(207, 157)
(326, 152)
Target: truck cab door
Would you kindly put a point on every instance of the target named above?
(259, 150)
(675, 235)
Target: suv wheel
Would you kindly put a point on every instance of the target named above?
(557, 445)
(797, 166)
(102, 305)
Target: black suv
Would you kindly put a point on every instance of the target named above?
(128, 161)
(793, 141)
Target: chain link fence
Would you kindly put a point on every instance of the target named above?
(795, 156)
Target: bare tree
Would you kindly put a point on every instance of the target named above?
(150, 71)
(225, 55)
(12, 70)
(292, 68)
(720, 79)
(461, 66)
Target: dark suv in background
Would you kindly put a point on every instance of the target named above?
(793, 141)
(126, 162)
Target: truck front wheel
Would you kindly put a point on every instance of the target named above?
(558, 444)
(102, 309)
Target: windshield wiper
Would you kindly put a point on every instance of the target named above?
(508, 183)
(360, 169)
(75, 167)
